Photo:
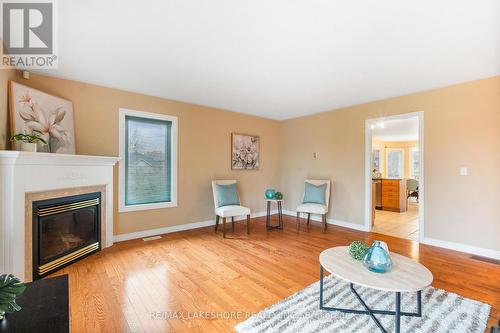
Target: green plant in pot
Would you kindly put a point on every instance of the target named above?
(357, 249)
(10, 288)
(29, 141)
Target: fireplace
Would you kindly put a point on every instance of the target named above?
(65, 230)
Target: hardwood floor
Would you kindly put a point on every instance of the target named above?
(402, 225)
(131, 286)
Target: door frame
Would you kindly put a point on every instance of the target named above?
(368, 171)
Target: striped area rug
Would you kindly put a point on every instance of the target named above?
(442, 311)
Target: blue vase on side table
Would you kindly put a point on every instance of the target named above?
(377, 259)
(270, 193)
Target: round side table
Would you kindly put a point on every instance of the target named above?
(280, 214)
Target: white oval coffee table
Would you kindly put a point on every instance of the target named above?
(406, 275)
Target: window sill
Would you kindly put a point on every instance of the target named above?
(133, 208)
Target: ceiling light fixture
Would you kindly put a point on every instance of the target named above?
(378, 124)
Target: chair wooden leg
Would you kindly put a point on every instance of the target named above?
(216, 222)
(224, 227)
(324, 222)
(308, 219)
(248, 224)
(232, 223)
(298, 221)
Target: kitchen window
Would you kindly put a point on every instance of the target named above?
(414, 163)
(394, 163)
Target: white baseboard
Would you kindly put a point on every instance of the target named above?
(176, 228)
(429, 241)
(339, 223)
(159, 231)
(462, 248)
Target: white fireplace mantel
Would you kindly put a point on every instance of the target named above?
(26, 172)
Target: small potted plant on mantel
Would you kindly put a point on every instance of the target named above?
(29, 141)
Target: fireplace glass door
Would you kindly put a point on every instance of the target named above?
(64, 230)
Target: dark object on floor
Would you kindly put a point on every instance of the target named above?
(45, 308)
(495, 329)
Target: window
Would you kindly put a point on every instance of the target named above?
(376, 160)
(395, 162)
(148, 166)
(414, 163)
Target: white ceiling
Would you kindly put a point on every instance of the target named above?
(278, 59)
(405, 129)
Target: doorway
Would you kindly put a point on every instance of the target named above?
(394, 178)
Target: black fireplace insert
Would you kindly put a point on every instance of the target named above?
(65, 230)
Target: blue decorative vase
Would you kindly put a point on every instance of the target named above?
(270, 193)
(377, 259)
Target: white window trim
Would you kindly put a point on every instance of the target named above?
(122, 207)
(412, 150)
(402, 168)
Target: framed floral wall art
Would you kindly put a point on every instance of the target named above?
(245, 151)
(32, 110)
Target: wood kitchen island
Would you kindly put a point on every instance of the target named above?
(391, 194)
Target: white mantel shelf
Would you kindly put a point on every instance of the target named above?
(27, 158)
(26, 172)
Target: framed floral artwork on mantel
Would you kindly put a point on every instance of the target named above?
(33, 111)
(245, 151)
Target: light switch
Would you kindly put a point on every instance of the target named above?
(463, 171)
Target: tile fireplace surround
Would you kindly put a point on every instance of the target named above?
(27, 177)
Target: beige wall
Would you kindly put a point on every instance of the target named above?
(461, 128)
(204, 148)
(405, 145)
